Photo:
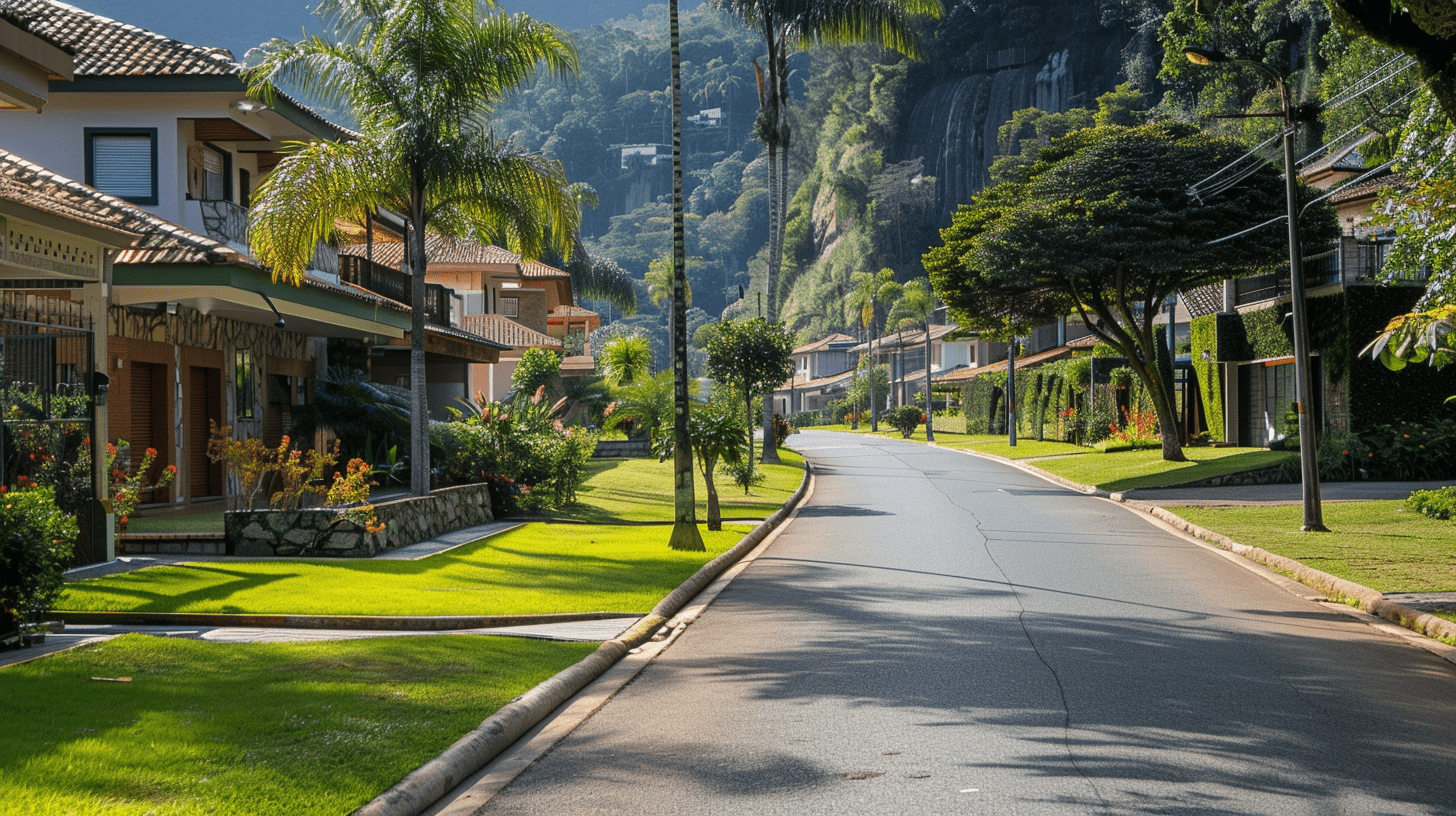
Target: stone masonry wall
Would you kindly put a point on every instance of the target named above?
(406, 521)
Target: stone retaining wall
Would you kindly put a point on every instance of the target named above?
(307, 532)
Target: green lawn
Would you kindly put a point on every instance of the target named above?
(1377, 544)
(191, 523)
(535, 569)
(636, 490)
(1126, 470)
(1025, 448)
(272, 729)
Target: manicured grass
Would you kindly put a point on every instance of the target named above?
(1126, 470)
(535, 569)
(635, 490)
(1025, 448)
(1377, 544)
(272, 729)
(192, 523)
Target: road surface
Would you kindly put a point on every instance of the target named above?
(941, 634)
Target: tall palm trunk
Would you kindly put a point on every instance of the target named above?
(685, 535)
(419, 395)
(929, 398)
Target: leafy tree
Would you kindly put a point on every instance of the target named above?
(1424, 29)
(915, 307)
(1421, 337)
(626, 360)
(784, 27)
(649, 404)
(751, 357)
(419, 77)
(716, 436)
(1102, 225)
(538, 367)
(1423, 210)
(868, 381)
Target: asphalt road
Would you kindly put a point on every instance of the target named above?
(940, 634)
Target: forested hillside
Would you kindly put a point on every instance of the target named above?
(884, 149)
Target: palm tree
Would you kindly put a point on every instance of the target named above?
(787, 25)
(685, 535)
(626, 359)
(917, 306)
(419, 77)
(869, 291)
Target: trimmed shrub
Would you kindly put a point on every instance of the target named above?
(906, 419)
(1438, 504)
(36, 541)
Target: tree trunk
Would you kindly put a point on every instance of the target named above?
(685, 535)
(419, 394)
(748, 403)
(715, 514)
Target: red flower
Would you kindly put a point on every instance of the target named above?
(151, 453)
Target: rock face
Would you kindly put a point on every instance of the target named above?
(1052, 56)
(262, 533)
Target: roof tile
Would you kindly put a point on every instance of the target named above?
(105, 47)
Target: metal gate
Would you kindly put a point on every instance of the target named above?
(47, 420)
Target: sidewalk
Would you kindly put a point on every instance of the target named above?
(1254, 495)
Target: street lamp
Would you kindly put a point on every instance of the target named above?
(1308, 463)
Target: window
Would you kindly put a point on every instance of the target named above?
(217, 174)
(510, 307)
(245, 188)
(243, 381)
(123, 162)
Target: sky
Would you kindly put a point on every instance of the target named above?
(241, 24)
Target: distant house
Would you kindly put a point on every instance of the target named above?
(1241, 346)
(822, 370)
(496, 295)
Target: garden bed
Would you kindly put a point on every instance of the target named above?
(323, 532)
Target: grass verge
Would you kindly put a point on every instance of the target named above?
(640, 490)
(190, 523)
(534, 569)
(1126, 470)
(1377, 544)
(264, 728)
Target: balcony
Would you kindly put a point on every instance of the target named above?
(395, 285)
(1346, 262)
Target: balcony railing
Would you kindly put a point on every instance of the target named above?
(1347, 262)
(395, 285)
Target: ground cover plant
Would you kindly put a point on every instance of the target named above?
(537, 568)
(1125, 470)
(190, 523)
(1378, 544)
(264, 728)
(640, 490)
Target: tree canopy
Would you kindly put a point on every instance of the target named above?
(1424, 29)
(751, 357)
(1102, 224)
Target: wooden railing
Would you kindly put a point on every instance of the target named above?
(395, 285)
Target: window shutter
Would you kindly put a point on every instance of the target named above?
(122, 164)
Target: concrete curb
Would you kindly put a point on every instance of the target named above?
(1336, 589)
(432, 781)
(383, 623)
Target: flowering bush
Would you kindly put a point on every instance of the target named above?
(1139, 429)
(36, 542)
(527, 456)
(127, 488)
(1411, 451)
(296, 476)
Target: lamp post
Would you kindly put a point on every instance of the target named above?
(1308, 463)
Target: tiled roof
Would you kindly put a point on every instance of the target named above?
(824, 343)
(963, 374)
(565, 311)
(821, 382)
(1368, 188)
(536, 269)
(907, 337)
(503, 330)
(105, 47)
(438, 249)
(34, 186)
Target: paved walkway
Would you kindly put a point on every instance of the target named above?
(1250, 495)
